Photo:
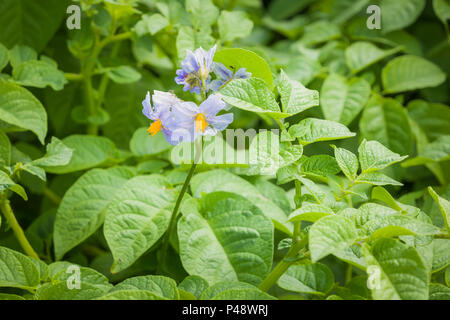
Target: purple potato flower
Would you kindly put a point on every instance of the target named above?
(189, 120)
(195, 69)
(160, 112)
(225, 75)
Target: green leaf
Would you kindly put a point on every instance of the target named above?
(5, 150)
(4, 56)
(17, 188)
(131, 295)
(329, 235)
(20, 108)
(203, 12)
(310, 212)
(444, 207)
(60, 291)
(361, 54)
(5, 181)
(315, 278)
(370, 211)
(437, 151)
(376, 179)
(21, 16)
(439, 292)
(190, 39)
(252, 94)
(386, 121)
(441, 254)
(7, 296)
(221, 180)
(229, 239)
(398, 271)
(413, 225)
(82, 209)
(236, 58)
(39, 74)
(442, 10)
(160, 286)
(319, 165)
(219, 287)
(34, 170)
(151, 24)
(398, 14)
(312, 130)
(122, 102)
(407, 73)
(295, 98)
(342, 100)
(194, 284)
(88, 152)
(320, 31)
(17, 270)
(374, 156)
(282, 9)
(137, 216)
(143, 144)
(433, 118)
(244, 294)
(57, 155)
(234, 25)
(347, 161)
(266, 156)
(303, 69)
(124, 74)
(62, 272)
(275, 193)
(20, 54)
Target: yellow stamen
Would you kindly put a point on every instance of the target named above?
(200, 122)
(155, 127)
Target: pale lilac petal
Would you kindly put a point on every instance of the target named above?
(221, 122)
(147, 109)
(221, 71)
(215, 85)
(190, 63)
(242, 74)
(211, 106)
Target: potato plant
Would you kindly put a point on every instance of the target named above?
(224, 149)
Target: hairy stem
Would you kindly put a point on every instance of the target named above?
(7, 211)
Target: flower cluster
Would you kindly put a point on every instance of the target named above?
(182, 120)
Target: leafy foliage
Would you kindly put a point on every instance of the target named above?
(351, 202)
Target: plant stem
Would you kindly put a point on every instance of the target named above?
(73, 76)
(173, 218)
(53, 197)
(283, 265)
(348, 274)
(7, 211)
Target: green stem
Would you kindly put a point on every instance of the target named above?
(53, 197)
(73, 76)
(7, 211)
(173, 218)
(283, 265)
(348, 274)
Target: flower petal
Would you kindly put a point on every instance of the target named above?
(221, 122)
(211, 106)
